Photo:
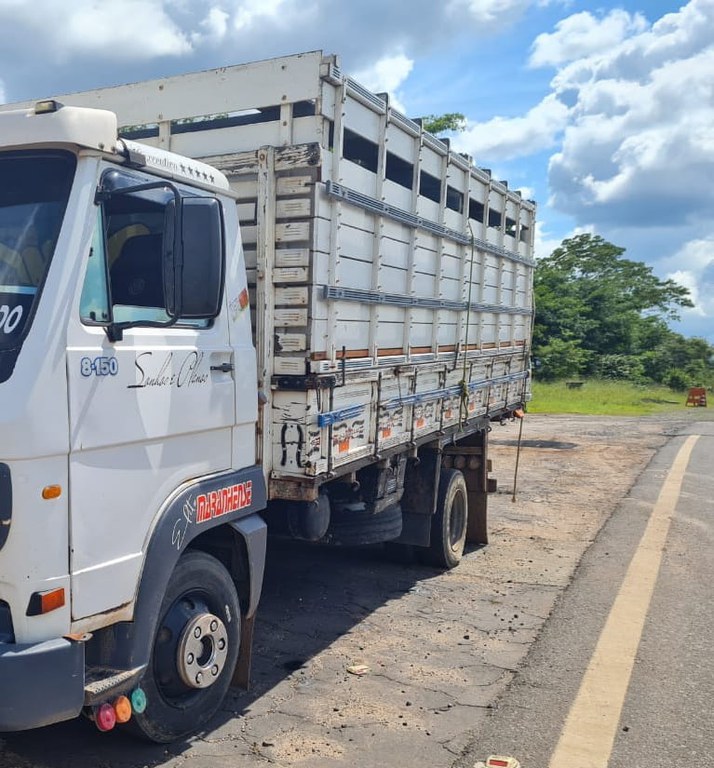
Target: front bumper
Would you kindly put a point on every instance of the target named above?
(41, 683)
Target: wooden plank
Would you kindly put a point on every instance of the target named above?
(293, 209)
(294, 185)
(290, 342)
(244, 189)
(292, 257)
(235, 163)
(290, 275)
(291, 296)
(297, 156)
(292, 231)
(286, 158)
(290, 318)
(289, 366)
(246, 212)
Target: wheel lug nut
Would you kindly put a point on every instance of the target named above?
(221, 644)
(197, 632)
(189, 658)
(214, 625)
(199, 677)
(214, 670)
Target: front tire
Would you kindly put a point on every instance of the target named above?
(194, 652)
(448, 526)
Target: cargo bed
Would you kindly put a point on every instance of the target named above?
(391, 278)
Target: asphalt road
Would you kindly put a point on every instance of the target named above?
(484, 659)
(667, 716)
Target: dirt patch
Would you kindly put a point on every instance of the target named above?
(557, 445)
(441, 647)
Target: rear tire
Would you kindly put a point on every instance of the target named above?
(194, 652)
(448, 526)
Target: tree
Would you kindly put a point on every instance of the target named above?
(600, 313)
(451, 121)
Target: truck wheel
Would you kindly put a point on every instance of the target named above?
(195, 650)
(448, 526)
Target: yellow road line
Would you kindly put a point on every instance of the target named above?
(589, 731)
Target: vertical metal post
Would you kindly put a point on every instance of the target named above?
(518, 456)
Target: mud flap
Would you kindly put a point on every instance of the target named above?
(241, 675)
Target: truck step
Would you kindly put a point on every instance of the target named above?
(102, 683)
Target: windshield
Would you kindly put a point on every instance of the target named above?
(34, 187)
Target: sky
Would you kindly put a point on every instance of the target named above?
(603, 112)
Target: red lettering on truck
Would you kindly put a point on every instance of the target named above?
(223, 501)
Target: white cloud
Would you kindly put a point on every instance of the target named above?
(213, 28)
(583, 34)
(693, 267)
(48, 43)
(489, 12)
(133, 29)
(689, 280)
(387, 75)
(639, 147)
(627, 117)
(545, 242)
(249, 12)
(503, 138)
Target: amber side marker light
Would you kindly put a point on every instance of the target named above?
(51, 491)
(44, 602)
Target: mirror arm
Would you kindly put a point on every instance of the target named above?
(114, 331)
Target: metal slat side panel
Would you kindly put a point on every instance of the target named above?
(418, 222)
(322, 431)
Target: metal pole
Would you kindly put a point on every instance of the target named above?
(518, 456)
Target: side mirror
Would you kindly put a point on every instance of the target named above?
(194, 258)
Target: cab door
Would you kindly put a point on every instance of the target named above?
(148, 411)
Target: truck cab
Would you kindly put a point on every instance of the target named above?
(128, 405)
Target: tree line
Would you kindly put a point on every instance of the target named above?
(599, 314)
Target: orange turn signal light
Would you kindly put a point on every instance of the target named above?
(51, 491)
(44, 602)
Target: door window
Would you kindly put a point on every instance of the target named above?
(126, 262)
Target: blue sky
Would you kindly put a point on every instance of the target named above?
(602, 112)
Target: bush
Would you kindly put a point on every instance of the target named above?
(559, 359)
(677, 380)
(620, 367)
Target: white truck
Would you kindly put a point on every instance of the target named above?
(252, 294)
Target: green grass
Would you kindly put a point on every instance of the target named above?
(614, 398)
